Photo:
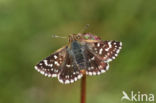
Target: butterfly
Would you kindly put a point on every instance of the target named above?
(85, 53)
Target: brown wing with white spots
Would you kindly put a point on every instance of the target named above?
(50, 66)
(95, 66)
(69, 72)
(106, 50)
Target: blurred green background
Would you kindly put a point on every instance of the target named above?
(26, 27)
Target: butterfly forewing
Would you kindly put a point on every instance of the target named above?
(69, 71)
(106, 50)
(50, 66)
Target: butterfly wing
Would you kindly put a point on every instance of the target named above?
(95, 66)
(50, 66)
(69, 72)
(106, 50)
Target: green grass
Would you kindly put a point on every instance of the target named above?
(25, 39)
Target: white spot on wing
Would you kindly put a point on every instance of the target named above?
(100, 67)
(38, 70)
(95, 49)
(79, 76)
(67, 76)
(106, 49)
(60, 80)
(98, 44)
(118, 51)
(113, 57)
(67, 82)
(54, 75)
(94, 73)
(107, 67)
(68, 66)
(98, 73)
(75, 78)
(116, 55)
(55, 70)
(102, 71)
(100, 52)
(49, 75)
(36, 67)
(45, 62)
(90, 73)
(92, 67)
(42, 72)
(46, 74)
(57, 63)
(55, 56)
(109, 60)
(120, 43)
(93, 58)
(71, 81)
(51, 65)
(109, 44)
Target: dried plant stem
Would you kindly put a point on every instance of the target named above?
(83, 89)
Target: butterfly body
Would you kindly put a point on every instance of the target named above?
(91, 55)
(77, 54)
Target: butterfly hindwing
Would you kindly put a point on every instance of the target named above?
(95, 66)
(50, 66)
(69, 72)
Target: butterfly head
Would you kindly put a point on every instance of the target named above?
(74, 37)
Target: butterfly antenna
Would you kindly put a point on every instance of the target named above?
(56, 36)
(85, 28)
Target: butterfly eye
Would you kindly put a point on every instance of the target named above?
(78, 37)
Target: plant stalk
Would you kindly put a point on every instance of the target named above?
(83, 89)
